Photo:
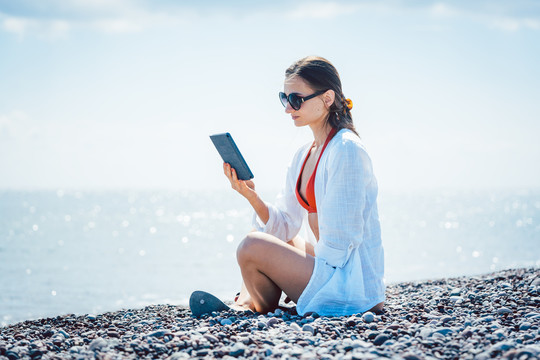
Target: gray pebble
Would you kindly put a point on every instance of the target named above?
(295, 326)
(237, 350)
(524, 326)
(426, 332)
(179, 356)
(308, 328)
(380, 339)
(226, 322)
(455, 292)
(368, 317)
(445, 319)
(97, 344)
(443, 331)
(261, 325)
(504, 310)
(211, 338)
(410, 356)
(502, 346)
(159, 333)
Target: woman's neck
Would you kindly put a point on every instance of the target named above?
(320, 133)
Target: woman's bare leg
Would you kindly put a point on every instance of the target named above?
(244, 299)
(270, 266)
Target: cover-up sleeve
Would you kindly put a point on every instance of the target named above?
(342, 211)
(286, 216)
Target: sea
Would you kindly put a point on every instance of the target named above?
(89, 252)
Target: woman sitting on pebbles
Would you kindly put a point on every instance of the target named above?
(331, 185)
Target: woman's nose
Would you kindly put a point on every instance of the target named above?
(288, 108)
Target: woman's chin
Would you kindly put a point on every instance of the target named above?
(299, 123)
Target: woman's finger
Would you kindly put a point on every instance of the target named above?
(227, 170)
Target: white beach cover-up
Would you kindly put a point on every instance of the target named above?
(349, 259)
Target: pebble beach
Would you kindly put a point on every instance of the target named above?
(495, 315)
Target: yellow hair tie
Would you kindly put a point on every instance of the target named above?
(348, 103)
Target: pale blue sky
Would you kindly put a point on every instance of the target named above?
(123, 94)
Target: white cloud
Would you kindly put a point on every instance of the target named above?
(15, 124)
(487, 16)
(117, 26)
(440, 9)
(514, 24)
(322, 10)
(15, 25)
(58, 18)
(20, 26)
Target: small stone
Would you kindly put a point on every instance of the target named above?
(295, 326)
(380, 339)
(372, 334)
(211, 338)
(12, 355)
(351, 321)
(308, 328)
(226, 322)
(410, 356)
(35, 354)
(504, 310)
(502, 346)
(487, 318)
(97, 344)
(113, 334)
(179, 356)
(261, 325)
(425, 333)
(368, 317)
(445, 319)
(159, 333)
(524, 326)
(455, 292)
(271, 322)
(237, 350)
(443, 331)
(57, 339)
(75, 349)
(278, 312)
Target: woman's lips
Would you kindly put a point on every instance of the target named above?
(295, 117)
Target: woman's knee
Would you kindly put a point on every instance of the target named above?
(250, 247)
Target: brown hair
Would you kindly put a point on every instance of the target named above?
(320, 74)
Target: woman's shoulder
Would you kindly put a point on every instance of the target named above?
(347, 140)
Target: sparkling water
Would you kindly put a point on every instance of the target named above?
(89, 252)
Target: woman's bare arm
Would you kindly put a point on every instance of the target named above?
(246, 188)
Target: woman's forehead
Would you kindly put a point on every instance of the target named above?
(295, 84)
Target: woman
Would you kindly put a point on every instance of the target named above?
(330, 184)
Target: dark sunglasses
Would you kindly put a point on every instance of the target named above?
(295, 100)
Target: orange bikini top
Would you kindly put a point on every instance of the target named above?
(310, 205)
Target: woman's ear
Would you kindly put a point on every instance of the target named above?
(328, 98)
